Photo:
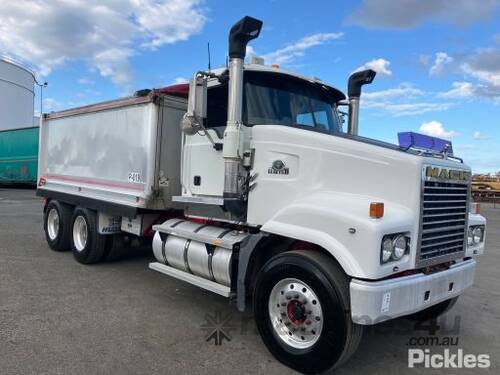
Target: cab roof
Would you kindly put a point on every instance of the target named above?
(182, 90)
(336, 94)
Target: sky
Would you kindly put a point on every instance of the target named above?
(438, 61)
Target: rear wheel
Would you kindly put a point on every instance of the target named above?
(301, 306)
(87, 244)
(433, 312)
(57, 225)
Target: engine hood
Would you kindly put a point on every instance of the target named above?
(314, 161)
(318, 188)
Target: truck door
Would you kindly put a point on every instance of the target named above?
(203, 165)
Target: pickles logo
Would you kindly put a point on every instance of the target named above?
(447, 174)
(448, 359)
(278, 167)
(218, 327)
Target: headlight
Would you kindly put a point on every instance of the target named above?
(477, 234)
(470, 237)
(393, 247)
(399, 245)
(386, 249)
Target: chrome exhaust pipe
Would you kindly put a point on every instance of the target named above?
(241, 33)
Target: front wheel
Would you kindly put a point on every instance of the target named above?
(301, 306)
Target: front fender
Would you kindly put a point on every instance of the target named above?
(340, 223)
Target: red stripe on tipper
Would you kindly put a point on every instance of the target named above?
(97, 182)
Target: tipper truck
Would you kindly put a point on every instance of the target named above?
(247, 185)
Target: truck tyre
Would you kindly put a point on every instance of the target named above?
(57, 225)
(302, 311)
(435, 311)
(87, 244)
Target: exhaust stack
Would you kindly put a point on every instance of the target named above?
(241, 33)
(356, 80)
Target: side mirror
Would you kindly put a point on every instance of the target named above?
(196, 114)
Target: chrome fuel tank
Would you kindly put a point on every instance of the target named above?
(203, 250)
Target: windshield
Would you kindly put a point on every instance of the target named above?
(279, 100)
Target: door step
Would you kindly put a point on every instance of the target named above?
(191, 279)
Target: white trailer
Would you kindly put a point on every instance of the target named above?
(264, 195)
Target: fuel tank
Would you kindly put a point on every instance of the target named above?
(203, 250)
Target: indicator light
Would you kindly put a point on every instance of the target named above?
(376, 210)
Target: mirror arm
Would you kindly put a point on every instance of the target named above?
(205, 131)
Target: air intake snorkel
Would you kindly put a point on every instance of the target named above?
(241, 33)
(356, 80)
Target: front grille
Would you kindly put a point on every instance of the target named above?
(444, 220)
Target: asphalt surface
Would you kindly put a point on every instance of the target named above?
(60, 317)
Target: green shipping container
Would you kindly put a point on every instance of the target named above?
(19, 156)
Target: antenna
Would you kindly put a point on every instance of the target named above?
(209, 65)
(42, 86)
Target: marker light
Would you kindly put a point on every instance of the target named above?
(376, 210)
(476, 208)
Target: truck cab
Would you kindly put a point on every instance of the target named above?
(394, 221)
(271, 97)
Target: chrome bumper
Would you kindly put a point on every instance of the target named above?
(373, 302)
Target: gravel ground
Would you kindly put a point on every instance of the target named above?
(60, 317)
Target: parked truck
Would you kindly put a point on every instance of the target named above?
(250, 188)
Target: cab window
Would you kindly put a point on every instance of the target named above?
(282, 100)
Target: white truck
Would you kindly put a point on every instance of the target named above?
(250, 187)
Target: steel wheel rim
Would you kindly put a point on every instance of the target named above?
(295, 313)
(53, 224)
(80, 233)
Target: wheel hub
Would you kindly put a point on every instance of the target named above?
(80, 233)
(295, 312)
(53, 224)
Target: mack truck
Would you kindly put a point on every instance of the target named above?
(245, 183)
